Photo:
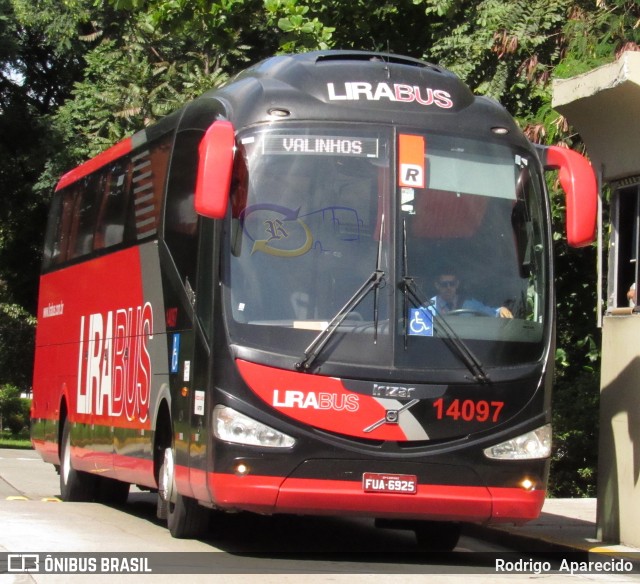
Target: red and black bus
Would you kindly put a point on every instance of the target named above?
(239, 304)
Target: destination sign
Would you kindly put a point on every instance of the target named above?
(320, 145)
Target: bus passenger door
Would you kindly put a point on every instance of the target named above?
(190, 373)
(190, 242)
(202, 394)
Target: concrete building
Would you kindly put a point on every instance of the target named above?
(603, 105)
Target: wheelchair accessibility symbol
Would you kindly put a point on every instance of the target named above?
(175, 353)
(420, 322)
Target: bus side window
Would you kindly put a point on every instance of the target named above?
(181, 220)
(113, 206)
(85, 215)
(57, 237)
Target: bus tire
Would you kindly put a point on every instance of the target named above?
(75, 485)
(185, 518)
(437, 536)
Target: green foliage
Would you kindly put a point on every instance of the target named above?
(577, 374)
(36, 73)
(505, 50)
(597, 37)
(60, 23)
(14, 410)
(300, 31)
(575, 436)
(17, 329)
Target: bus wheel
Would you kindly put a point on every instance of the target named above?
(185, 518)
(75, 485)
(437, 536)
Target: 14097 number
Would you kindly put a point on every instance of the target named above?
(469, 410)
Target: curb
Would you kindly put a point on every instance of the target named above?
(521, 541)
(539, 544)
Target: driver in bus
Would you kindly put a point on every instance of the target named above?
(450, 298)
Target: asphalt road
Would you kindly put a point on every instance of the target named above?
(239, 548)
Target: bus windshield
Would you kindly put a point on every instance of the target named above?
(448, 243)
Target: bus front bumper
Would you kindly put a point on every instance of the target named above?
(432, 502)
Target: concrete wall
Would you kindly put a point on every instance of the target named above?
(604, 107)
(619, 450)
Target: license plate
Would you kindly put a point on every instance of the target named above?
(373, 482)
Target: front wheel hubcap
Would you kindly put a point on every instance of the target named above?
(166, 488)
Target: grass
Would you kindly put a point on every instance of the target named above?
(16, 443)
(20, 441)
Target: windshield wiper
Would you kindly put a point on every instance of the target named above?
(373, 282)
(412, 293)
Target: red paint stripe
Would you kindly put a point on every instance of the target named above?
(109, 155)
(329, 497)
(86, 289)
(199, 484)
(249, 493)
(138, 471)
(183, 484)
(128, 469)
(437, 502)
(268, 494)
(337, 409)
(47, 450)
(515, 505)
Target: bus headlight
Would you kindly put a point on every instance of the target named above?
(534, 444)
(232, 426)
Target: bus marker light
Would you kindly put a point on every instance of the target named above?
(528, 485)
(242, 469)
(184, 391)
(278, 112)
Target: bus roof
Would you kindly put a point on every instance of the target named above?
(358, 86)
(336, 86)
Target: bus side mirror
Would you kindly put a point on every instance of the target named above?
(581, 191)
(215, 167)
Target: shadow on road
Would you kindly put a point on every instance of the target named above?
(344, 544)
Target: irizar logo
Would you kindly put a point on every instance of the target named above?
(397, 391)
(114, 365)
(401, 92)
(317, 401)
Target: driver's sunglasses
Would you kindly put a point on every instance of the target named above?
(448, 283)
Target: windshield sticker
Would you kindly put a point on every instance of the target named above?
(276, 230)
(320, 145)
(407, 200)
(420, 322)
(411, 161)
(401, 92)
(280, 231)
